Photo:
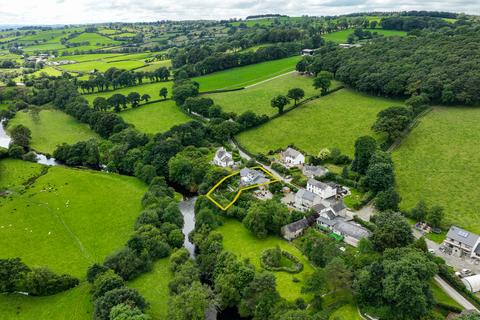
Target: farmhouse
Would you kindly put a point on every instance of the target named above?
(305, 199)
(292, 157)
(294, 229)
(310, 171)
(223, 158)
(324, 190)
(251, 176)
(462, 243)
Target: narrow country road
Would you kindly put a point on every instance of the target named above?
(454, 294)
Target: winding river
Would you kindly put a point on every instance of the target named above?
(5, 141)
(187, 207)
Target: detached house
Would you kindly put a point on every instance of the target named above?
(324, 190)
(305, 199)
(462, 243)
(294, 229)
(292, 157)
(310, 171)
(251, 176)
(223, 158)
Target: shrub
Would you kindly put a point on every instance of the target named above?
(43, 282)
(124, 295)
(271, 260)
(127, 264)
(105, 282)
(94, 271)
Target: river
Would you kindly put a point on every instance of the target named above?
(5, 141)
(187, 207)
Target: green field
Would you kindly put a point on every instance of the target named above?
(153, 286)
(102, 66)
(258, 97)
(151, 89)
(342, 36)
(439, 162)
(155, 117)
(345, 312)
(51, 128)
(247, 75)
(237, 239)
(88, 57)
(94, 39)
(155, 65)
(68, 218)
(333, 121)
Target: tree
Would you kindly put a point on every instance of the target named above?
(379, 177)
(12, 274)
(259, 297)
(296, 94)
(373, 24)
(112, 298)
(392, 231)
(21, 135)
(163, 93)
(192, 303)
(105, 282)
(145, 97)
(420, 211)
(279, 102)
(364, 149)
(339, 276)
(387, 200)
(435, 216)
(100, 104)
(134, 99)
(265, 218)
(124, 311)
(43, 282)
(116, 101)
(392, 121)
(323, 82)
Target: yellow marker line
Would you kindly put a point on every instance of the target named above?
(208, 195)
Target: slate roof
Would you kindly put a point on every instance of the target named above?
(351, 229)
(462, 236)
(318, 184)
(319, 207)
(306, 195)
(223, 155)
(291, 153)
(297, 225)
(328, 222)
(316, 171)
(338, 206)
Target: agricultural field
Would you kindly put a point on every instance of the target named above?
(94, 39)
(247, 75)
(257, 98)
(155, 117)
(88, 57)
(155, 65)
(342, 36)
(51, 128)
(234, 233)
(152, 89)
(439, 158)
(153, 286)
(102, 66)
(333, 121)
(67, 218)
(43, 47)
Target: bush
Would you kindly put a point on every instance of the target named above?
(94, 271)
(127, 264)
(271, 260)
(43, 282)
(124, 295)
(105, 282)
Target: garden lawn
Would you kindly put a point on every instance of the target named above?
(333, 121)
(247, 75)
(152, 89)
(51, 128)
(155, 117)
(237, 239)
(74, 304)
(439, 162)
(257, 98)
(153, 286)
(67, 218)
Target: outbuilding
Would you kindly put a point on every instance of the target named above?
(472, 283)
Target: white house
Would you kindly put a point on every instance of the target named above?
(250, 177)
(305, 199)
(324, 190)
(292, 157)
(223, 158)
(462, 243)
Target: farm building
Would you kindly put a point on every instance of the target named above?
(462, 242)
(324, 190)
(310, 171)
(223, 158)
(472, 283)
(294, 229)
(292, 157)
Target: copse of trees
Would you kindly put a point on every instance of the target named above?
(406, 68)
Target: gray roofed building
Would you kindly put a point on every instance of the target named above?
(223, 158)
(294, 229)
(462, 236)
(339, 208)
(462, 242)
(313, 171)
(351, 229)
(305, 199)
(320, 207)
(292, 157)
(325, 190)
(252, 176)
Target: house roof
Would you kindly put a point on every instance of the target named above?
(314, 170)
(328, 222)
(318, 184)
(319, 207)
(338, 206)
(297, 225)
(329, 214)
(289, 152)
(462, 236)
(351, 229)
(306, 195)
(223, 155)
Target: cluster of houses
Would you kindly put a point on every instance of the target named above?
(42, 57)
(322, 199)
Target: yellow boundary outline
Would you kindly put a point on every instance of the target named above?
(208, 195)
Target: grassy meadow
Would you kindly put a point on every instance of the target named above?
(237, 239)
(342, 35)
(155, 117)
(333, 121)
(247, 75)
(439, 161)
(67, 218)
(257, 98)
(102, 66)
(94, 39)
(152, 89)
(51, 128)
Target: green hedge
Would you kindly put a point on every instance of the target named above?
(296, 268)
